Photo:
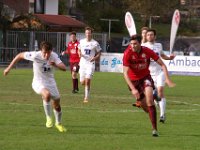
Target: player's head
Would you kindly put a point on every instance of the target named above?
(88, 33)
(143, 33)
(144, 30)
(151, 35)
(46, 49)
(73, 36)
(135, 43)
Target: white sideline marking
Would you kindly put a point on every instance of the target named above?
(117, 111)
(129, 98)
(180, 102)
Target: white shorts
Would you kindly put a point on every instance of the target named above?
(159, 79)
(86, 71)
(51, 88)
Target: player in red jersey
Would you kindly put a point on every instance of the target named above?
(136, 62)
(72, 51)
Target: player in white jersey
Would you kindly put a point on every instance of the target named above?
(143, 34)
(89, 51)
(43, 80)
(156, 71)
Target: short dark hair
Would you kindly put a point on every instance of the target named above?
(136, 37)
(152, 30)
(46, 45)
(89, 28)
(73, 33)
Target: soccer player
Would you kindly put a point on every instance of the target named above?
(72, 51)
(43, 82)
(143, 34)
(156, 71)
(136, 72)
(89, 51)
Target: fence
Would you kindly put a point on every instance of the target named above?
(18, 41)
(6, 54)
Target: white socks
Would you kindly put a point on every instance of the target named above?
(87, 92)
(47, 108)
(162, 105)
(58, 116)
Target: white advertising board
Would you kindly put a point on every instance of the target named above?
(184, 65)
(111, 62)
(181, 65)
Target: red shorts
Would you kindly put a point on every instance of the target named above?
(74, 66)
(141, 84)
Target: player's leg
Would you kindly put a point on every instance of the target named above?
(74, 78)
(82, 75)
(58, 115)
(140, 103)
(162, 102)
(151, 109)
(87, 89)
(73, 69)
(156, 98)
(76, 70)
(148, 85)
(57, 108)
(144, 106)
(46, 97)
(88, 76)
(83, 82)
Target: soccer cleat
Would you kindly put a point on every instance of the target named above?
(137, 104)
(60, 127)
(162, 119)
(85, 100)
(155, 133)
(74, 91)
(49, 122)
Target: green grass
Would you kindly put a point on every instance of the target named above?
(107, 122)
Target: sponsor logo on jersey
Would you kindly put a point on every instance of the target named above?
(143, 55)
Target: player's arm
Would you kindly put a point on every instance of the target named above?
(17, 58)
(164, 68)
(96, 57)
(64, 52)
(134, 91)
(165, 57)
(58, 63)
(79, 53)
(60, 66)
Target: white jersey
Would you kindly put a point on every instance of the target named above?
(154, 68)
(88, 51)
(43, 71)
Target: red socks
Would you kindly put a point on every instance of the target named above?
(75, 84)
(152, 116)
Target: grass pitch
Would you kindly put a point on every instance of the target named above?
(107, 122)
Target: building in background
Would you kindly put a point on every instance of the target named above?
(36, 15)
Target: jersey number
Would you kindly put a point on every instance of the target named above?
(46, 68)
(87, 51)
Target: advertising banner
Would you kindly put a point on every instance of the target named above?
(184, 65)
(111, 62)
(181, 65)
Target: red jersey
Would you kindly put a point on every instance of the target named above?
(72, 51)
(138, 63)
